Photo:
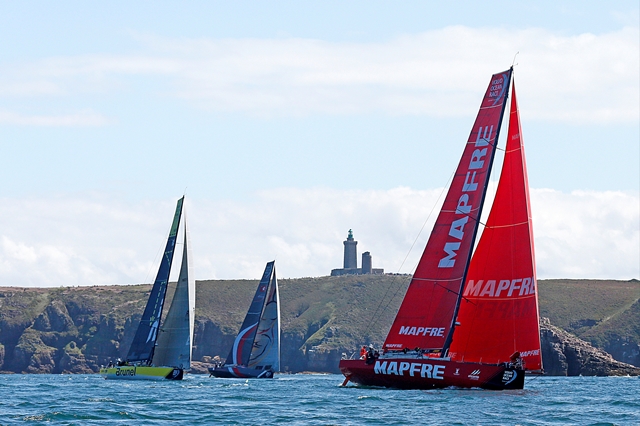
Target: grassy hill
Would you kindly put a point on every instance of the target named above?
(330, 311)
(605, 313)
(71, 329)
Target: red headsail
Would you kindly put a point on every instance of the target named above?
(426, 314)
(499, 312)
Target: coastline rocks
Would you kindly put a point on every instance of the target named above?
(624, 349)
(563, 354)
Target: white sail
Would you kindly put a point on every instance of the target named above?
(176, 333)
(265, 353)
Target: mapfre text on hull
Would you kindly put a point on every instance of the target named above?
(431, 373)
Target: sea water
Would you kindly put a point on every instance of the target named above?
(311, 400)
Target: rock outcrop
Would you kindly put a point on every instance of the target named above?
(624, 349)
(566, 355)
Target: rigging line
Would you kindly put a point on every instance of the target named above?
(156, 257)
(535, 376)
(425, 222)
(377, 310)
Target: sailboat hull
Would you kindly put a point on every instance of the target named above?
(431, 373)
(230, 372)
(131, 372)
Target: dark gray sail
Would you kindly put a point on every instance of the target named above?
(143, 345)
(176, 332)
(265, 354)
(243, 344)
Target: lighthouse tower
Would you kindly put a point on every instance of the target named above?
(351, 260)
(350, 252)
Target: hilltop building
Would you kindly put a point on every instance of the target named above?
(351, 260)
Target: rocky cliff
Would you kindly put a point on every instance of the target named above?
(566, 355)
(76, 330)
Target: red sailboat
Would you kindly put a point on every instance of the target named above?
(470, 318)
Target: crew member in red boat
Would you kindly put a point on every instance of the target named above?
(372, 355)
(516, 360)
(363, 352)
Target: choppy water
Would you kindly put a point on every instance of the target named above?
(311, 399)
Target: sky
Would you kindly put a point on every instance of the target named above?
(288, 123)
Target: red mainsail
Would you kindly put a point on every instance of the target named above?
(427, 311)
(498, 315)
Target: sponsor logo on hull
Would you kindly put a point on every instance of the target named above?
(125, 372)
(411, 369)
(509, 376)
(142, 373)
(475, 375)
(428, 374)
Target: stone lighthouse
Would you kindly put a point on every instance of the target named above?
(351, 260)
(350, 252)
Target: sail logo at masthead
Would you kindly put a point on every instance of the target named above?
(497, 88)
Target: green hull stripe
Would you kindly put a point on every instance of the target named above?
(133, 373)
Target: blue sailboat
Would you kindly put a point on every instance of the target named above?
(256, 349)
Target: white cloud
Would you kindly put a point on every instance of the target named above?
(82, 118)
(587, 234)
(101, 240)
(580, 79)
